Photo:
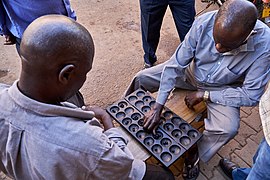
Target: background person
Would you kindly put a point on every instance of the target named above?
(15, 16)
(152, 13)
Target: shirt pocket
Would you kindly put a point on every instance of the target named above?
(225, 77)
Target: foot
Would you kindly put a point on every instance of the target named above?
(191, 168)
(146, 65)
(227, 166)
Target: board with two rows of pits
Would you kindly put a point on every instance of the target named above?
(173, 137)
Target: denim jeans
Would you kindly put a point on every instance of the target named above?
(261, 165)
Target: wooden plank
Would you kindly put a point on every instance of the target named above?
(177, 104)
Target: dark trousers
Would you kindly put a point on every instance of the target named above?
(155, 172)
(152, 13)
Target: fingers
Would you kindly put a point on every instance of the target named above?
(151, 121)
(147, 121)
(189, 103)
(155, 130)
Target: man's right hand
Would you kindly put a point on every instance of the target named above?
(10, 40)
(151, 120)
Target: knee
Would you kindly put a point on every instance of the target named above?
(146, 80)
(232, 130)
(141, 79)
(232, 133)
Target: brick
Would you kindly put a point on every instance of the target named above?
(218, 174)
(243, 133)
(208, 168)
(229, 148)
(248, 151)
(243, 114)
(253, 120)
(257, 137)
(201, 177)
(237, 160)
(247, 110)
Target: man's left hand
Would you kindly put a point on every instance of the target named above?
(194, 98)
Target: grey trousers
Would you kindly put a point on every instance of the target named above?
(222, 122)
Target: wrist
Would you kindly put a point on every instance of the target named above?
(158, 107)
(107, 122)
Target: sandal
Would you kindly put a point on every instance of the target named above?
(191, 171)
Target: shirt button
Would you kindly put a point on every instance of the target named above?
(217, 102)
(218, 62)
(208, 75)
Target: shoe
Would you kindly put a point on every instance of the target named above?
(227, 167)
(146, 65)
(191, 171)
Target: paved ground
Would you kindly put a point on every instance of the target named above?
(241, 149)
(119, 57)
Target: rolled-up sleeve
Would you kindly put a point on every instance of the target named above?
(253, 86)
(118, 156)
(178, 63)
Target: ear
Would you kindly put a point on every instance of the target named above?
(65, 73)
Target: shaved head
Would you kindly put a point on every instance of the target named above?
(56, 52)
(234, 21)
(52, 36)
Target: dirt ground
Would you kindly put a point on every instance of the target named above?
(115, 27)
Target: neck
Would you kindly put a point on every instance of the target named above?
(37, 91)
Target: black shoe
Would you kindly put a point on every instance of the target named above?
(227, 166)
(191, 170)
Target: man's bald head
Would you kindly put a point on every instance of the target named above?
(234, 21)
(56, 52)
(52, 36)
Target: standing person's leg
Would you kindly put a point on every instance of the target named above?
(152, 13)
(18, 43)
(221, 125)
(261, 165)
(183, 12)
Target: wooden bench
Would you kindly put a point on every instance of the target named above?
(177, 105)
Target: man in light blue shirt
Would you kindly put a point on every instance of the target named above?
(225, 59)
(16, 15)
